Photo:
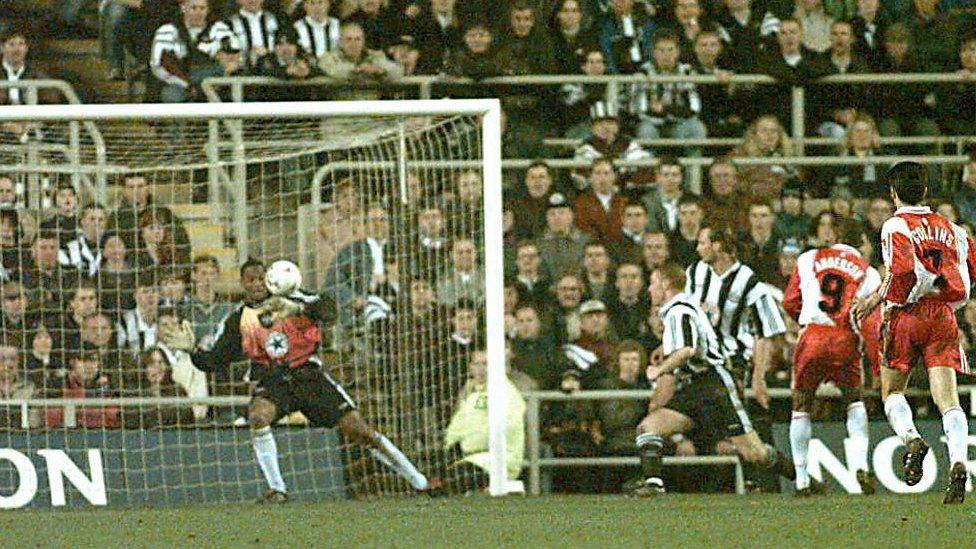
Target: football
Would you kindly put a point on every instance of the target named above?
(282, 278)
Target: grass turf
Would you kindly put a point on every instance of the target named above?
(564, 521)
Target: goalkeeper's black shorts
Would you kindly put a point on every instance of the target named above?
(308, 389)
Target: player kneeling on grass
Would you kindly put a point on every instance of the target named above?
(281, 335)
(824, 285)
(704, 393)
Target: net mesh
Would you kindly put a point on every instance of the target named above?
(109, 231)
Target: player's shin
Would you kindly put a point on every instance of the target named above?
(956, 430)
(800, 432)
(391, 456)
(857, 434)
(266, 451)
(649, 450)
(899, 415)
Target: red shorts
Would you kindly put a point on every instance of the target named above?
(925, 330)
(871, 339)
(826, 353)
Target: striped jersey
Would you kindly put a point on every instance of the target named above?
(254, 30)
(740, 306)
(168, 40)
(317, 38)
(687, 325)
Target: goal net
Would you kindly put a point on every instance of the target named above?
(134, 218)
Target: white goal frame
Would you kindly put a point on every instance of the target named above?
(488, 109)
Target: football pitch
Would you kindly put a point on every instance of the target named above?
(553, 521)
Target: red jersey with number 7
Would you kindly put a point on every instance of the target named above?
(825, 283)
(926, 257)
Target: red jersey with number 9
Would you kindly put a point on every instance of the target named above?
(825, 283)
(926, 257)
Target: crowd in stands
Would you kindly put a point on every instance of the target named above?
(85, 287)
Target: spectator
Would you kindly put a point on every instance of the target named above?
(533, 202)
(618, 418)
(84, 252)
(64, 221)
(184, 373)
(759, 245)
(791, 220)
(464, 279)
(465, 334)
(689, 22)
(935, 34)
(191, 48)
(655, 251)
(352, 272)
(569, 295)
(662, 200)
(765, 138)
(965, 195)
(440, 27)
(684, 241)
(16, 315)
(158, 242)
(12, 198)
(561, 245)
(137, 326)
(571, 39)
(113, 15)
(862, 180)
(836, 106)
(354, 62)
(84, 379)
(116, 274)
(625, 36)
(464, 210)
(477, 60)
(14, 48)
(534, 351)
(287, 61)
(629, 305)
(816, 24)
(42, 363)
(747, 29)
(789, 251)
(405, 53)
(341, 222)
(12, 257)
(721, 105)
(958, 104)
(596, 271)
(525, 47)
(591, 354)
(790, 63)
(429, 246)
(256, 30)
(156, 380)
(879, 210)
(45, 275)
(133, 201)
(97, 332)
(869, 25)
(533, 286)
(599, 211)
(724, 203)
(318, 31)
(15, 385)
(667, 109)
(631, 244)
(578, 99)
(82, 304)
(607, 140)
(204, 308)
(905, 108)
(172, 287)
(379, 21)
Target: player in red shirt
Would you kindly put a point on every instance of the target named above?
(928, 262)
(824, 284)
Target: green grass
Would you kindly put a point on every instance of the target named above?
(711, 522)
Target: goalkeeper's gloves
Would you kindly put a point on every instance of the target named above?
(278, 308)
(181, 338)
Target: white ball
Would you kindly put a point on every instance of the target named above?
(282, 278)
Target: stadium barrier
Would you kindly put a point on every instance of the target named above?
(535, 462)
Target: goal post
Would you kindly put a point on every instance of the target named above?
(213, 145)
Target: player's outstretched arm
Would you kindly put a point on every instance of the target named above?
(227, 348)
(671, 363)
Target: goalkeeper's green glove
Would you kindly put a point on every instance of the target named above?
(180, 339)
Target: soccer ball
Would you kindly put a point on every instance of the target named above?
(282, 278)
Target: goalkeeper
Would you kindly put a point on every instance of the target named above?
(280, 336)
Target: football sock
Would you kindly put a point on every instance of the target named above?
(800, 431)
(266, 450)
(649, 450)
(392, 457)
(957, 432)
(857, 433)
(900, 417)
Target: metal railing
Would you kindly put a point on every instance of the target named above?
(33, 149)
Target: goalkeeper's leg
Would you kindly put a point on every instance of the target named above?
(260, 415)
(356, 430)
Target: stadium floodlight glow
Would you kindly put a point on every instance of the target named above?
(214, 138)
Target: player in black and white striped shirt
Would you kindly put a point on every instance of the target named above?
(741, 307)
(694, 390)
(317, 32)
(255, 29)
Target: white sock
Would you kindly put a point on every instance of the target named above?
(266, 450)
(393, 458)
(800, 432)
(956, 430)
(900, 417)
(857, 432)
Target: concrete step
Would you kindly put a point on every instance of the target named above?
(166, 194)
(74, 47)
(205, 235)
(192, 212)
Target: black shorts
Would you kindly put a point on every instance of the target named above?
(308, 389)
(711, 401)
